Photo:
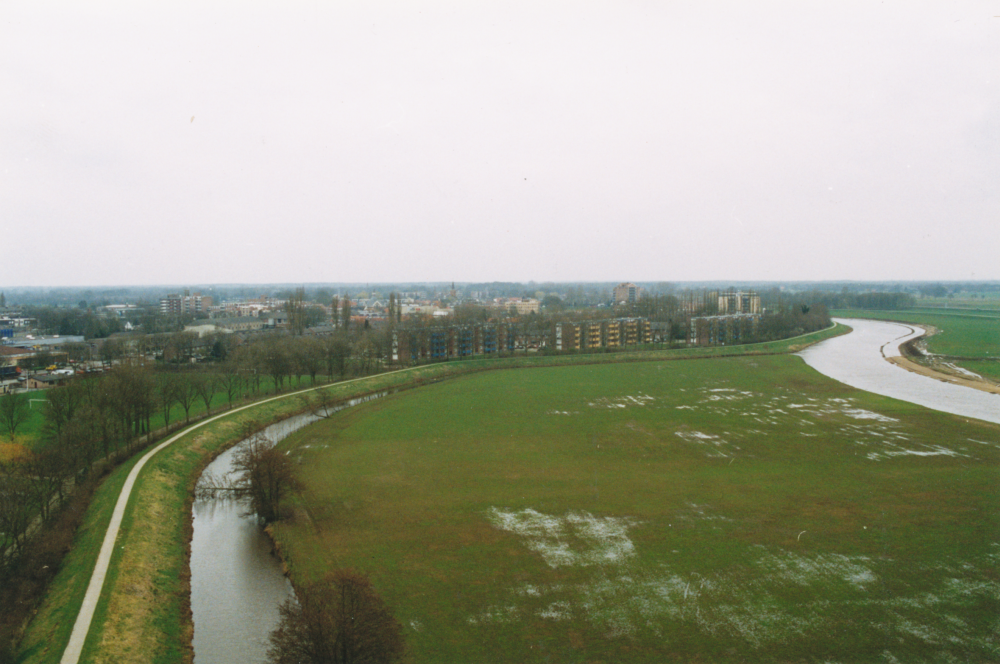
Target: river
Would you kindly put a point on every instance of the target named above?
(858, 359)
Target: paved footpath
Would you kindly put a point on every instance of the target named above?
(81, 628)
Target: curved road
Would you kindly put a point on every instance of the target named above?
(858, 359)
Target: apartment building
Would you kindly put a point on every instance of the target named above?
(738, 302)
(627, 293)
(175, 304)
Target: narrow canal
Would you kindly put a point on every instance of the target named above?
(237, 583)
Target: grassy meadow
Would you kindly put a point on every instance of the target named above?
(735, 509)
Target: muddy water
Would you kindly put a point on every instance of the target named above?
(858, 359)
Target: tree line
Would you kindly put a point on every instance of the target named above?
(108, 416)
(887, 301)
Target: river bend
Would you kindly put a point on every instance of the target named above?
(858, 359)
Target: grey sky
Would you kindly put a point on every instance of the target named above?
(197, 142)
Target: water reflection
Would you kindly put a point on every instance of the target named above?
(236, 582)
(237, 585)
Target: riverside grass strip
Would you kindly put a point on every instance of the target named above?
(747, 509)
(146, 617)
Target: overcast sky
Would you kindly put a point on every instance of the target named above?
(367, 141)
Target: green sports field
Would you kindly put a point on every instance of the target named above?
(740, 509)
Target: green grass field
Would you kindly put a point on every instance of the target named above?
(985, 301)
(739, 509)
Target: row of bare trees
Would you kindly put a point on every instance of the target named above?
(111, 414)
(84, 420)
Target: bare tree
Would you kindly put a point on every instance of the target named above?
(47, 471)
(247, 361)
(295, 307)
(61, 405)
(132, 389)
(14, 411)
(15, 507)
(339, 620)
(204, 386)
(321, 403)
(261, 474)
(345, 311)
(275, 360)
(166, 390)
(230, 378)
(336, 351)
(180, 347)
(185, 394)
(111, 350)
(309, 357)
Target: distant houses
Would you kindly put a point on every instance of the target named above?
(47, 380)
(175, 304)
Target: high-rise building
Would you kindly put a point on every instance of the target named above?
(738, 302)
(627, 293)
(175, 304)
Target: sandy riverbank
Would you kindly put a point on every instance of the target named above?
(981, 384)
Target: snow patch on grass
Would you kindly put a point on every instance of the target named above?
(928, 451)
(718, 446)
(788, 567)
(963, 371)
(557, 611)
(496, 615)
(696, 512)
(749, 601)
(862, 414)
(622, 402)
(576, 539)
